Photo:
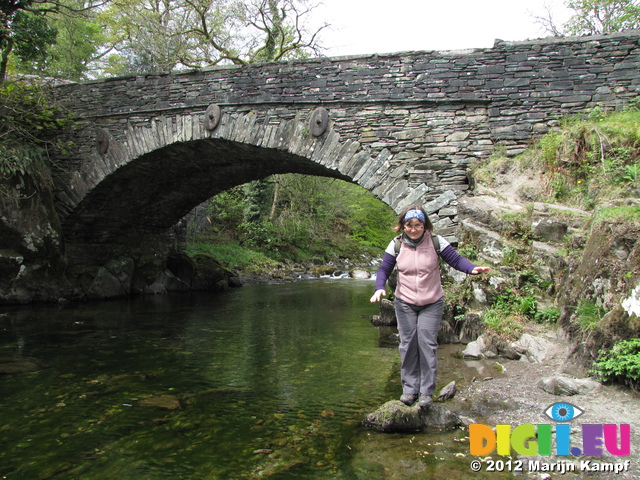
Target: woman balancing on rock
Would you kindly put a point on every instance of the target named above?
(419, 301)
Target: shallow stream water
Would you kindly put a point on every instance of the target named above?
(264, 381)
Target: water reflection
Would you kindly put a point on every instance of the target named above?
(266, 381)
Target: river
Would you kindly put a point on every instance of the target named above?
(263, 381)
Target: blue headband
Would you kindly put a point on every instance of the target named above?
(414, 214)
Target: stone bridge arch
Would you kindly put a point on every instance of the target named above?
(145, 180)
(405, 126)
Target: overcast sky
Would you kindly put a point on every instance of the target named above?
(377, 26)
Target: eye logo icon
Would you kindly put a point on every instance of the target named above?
(563, 412)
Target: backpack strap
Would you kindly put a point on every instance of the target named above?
(397, 243)
(436, 243)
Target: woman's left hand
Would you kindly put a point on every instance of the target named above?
(478, 270)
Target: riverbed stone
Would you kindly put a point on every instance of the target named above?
(550, 230)
(166, 402)
(472, 328)
(447, 333)
(23, 365)
(532, 348)
(474, 350)
(106, 285)
(360, 273)
(567, 386)
(447, 392)
(395, 416)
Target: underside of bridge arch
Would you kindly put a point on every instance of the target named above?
(152, 193)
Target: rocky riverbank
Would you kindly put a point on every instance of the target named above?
(519, 398)
(521, 394)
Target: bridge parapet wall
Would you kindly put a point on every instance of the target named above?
(525, 87)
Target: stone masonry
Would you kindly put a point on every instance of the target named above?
(406, 126)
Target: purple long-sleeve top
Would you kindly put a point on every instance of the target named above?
(447, 253)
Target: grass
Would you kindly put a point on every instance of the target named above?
(626, 214)
(503, 325)
(589, 315)
(510, 313)
(588, 159)
(232, 255)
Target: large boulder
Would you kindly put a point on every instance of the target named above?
(113, 280)
(211, 275)
(533, 348)
(550, 230)
(360, 273)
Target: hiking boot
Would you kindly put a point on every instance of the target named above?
(408, 398)
(425, 401)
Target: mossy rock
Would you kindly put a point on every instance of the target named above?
(321, 270)
(210, 274)
(395, 416)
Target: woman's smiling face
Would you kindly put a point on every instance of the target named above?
(414, 228)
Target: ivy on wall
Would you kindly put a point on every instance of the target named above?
(29, 121)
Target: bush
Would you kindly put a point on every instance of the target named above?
(621, 363)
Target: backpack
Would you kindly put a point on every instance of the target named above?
(397, 242)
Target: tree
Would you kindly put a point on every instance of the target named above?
(162, 35)
(602, 16)
(27, 32)
(594, 17)
(79, 44)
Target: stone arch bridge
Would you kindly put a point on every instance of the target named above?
(405, 126)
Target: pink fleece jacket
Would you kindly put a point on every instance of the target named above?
(419, 274)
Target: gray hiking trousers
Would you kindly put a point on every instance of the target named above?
(418, 328)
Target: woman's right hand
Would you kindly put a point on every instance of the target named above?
(378, 295)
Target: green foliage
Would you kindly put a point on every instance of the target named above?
(313, 217)
(508, 327)
(32, 36)
(594, 17)
(517, 226)
(621, 363)
(549, 145)
(468, 251)
(510, 256)
(509, 312)
(156, 37)
(28, 120)
(257, 195)
(78, 43)
(589, 157)
(595, 155)
(257, 234)
(548, 315)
